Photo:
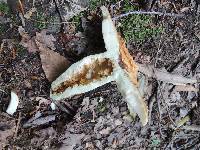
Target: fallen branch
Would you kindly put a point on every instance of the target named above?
(160, 75)
(147, 13)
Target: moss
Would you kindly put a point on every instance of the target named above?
(77, 21)
(42, 21)
(4, 8)
(138, 27)
(2, 28)
(94, 4)
(21, 51)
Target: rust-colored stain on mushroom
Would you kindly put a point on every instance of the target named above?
(99, 69)
(127, 61)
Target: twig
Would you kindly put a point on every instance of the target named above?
(17, 127)
(147, 13)
(191, 127)
(164, 76)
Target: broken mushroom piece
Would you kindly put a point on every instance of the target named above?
(116, 64)
(14, 101)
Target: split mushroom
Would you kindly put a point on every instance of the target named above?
(116, 64)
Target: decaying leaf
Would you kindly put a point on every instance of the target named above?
(27, 41)
(116, 64)
(44, 40)
(28, 14)
(71, 140)
(53, 63)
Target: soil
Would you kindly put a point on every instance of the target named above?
(99, 119)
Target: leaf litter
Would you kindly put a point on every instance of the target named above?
(126, 133)
(52, 62)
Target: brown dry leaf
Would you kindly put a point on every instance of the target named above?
(53, 63)
(71, 140)
(30, 13)
(27, 41)
(43, 40)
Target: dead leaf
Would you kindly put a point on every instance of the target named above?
(105, 131)
(71, 140)
(43, 40)
(27, 41)
(53, 63)
(30, 13)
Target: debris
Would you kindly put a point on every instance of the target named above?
(160, 75)
(27, 41)
(118, 122)
(18, 123)
(44, 138)
(191, 127)
(148, 13)
(14, 101)
(96, 70)
(38, 120)
(28, 14)
(73, 8)
(182, 121)
(53, 106)
(7, 129)
(44, 40)
(105, 131)
(2, 46)
(71, 140)
(188, 88)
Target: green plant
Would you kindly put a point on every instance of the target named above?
(2, 28)
(155, 142)
(76, 20)
(42, 21)
(4, 8)
(21, 51)
(138, 27)
(101, 107)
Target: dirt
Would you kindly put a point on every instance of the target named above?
(99, 119)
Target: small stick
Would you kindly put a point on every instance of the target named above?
(191, 127)
(147, 13)
(17, 127)
(164, 76)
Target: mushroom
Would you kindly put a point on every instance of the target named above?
(116, 64)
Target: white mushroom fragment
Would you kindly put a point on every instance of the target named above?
(14, 101)
(116, 64)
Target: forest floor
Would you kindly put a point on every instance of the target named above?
(99, 119)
